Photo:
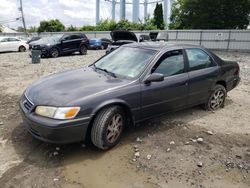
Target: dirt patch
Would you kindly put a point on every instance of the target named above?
(169, 153)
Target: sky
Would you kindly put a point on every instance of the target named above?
(69, 12)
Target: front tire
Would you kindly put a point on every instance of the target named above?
(216, 99)
(54, 52)
(108, 127)
(21, 49)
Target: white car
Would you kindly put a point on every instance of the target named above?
(12, 44)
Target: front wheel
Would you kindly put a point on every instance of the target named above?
(108, 127)
(54, 52)
(217, 98)
(22, 49)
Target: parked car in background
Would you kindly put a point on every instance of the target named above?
(119, 38)
(136, 82)
(57, 45)
(96, 43)
(12, 44)
(32, 41)
(144, 38)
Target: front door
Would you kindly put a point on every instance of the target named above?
(170, 94)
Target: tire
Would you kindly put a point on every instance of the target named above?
(107, 127)
(216, 99)
(83, 50)
(21, 49)
(54, 52)
(102, 47)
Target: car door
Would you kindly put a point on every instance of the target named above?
(13, 43)
(171, 93)
(4, 47)
(203, 73)
(68, 44)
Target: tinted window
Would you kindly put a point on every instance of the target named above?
(171, 63)
(198, 59)
(13, 39)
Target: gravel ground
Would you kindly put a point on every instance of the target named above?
(190, 148)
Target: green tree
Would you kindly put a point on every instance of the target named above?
(72, 28)
(32, 29)
(208, 14)
(158, 16)
(51, 26)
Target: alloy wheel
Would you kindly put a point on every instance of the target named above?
(217, 99)
(114, 128)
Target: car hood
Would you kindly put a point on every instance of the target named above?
(123, 35)
(66, 88)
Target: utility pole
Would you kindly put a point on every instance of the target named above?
(21, 9)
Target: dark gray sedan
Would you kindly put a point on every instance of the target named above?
(136, 82)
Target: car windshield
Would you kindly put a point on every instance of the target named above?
(55, 38)
(126, 61)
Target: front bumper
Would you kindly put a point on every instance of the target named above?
(55, 131)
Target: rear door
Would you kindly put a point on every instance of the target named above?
(171, 93)
(203, 73)
(4, 45)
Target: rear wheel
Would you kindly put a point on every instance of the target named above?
(54, 52)
(22, 49)
(108, 127)
(217, 98)
(102, 47)
(83, 50)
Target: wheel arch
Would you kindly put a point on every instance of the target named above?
(222, 82)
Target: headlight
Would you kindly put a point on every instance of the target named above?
(57, 113)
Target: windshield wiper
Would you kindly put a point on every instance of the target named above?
(105, 70)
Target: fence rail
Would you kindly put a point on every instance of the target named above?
(212, 39)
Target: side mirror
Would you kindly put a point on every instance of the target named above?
(154, 77)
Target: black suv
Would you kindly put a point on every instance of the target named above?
(57, 45)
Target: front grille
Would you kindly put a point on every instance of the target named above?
(28, 105)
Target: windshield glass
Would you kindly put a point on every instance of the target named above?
(55, 38)
(126, 61)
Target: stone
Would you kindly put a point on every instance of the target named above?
(57, 148)
(168, 149)
(210, 132)
(1, 123)
(138, 139)
(55, 153)
(137, 154)
(200, 164)
(149, 157)
(172, 143)
(199, 140)
(134, 159)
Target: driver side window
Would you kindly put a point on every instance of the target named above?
(171, 63)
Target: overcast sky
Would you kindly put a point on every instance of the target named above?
(75, 12)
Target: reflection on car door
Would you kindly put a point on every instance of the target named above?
(171, 94)
(203, 73)
(13, 44)
(71, 43)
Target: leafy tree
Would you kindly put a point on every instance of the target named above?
(208, 14)
(51, 26)
(158, 16)
(72, 28)
(32, 29)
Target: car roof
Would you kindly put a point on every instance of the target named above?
(160, 45)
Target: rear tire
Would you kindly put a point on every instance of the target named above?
(21, 49)
(54, 52)
(107, 127)
(216, 99)
(83, 50)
